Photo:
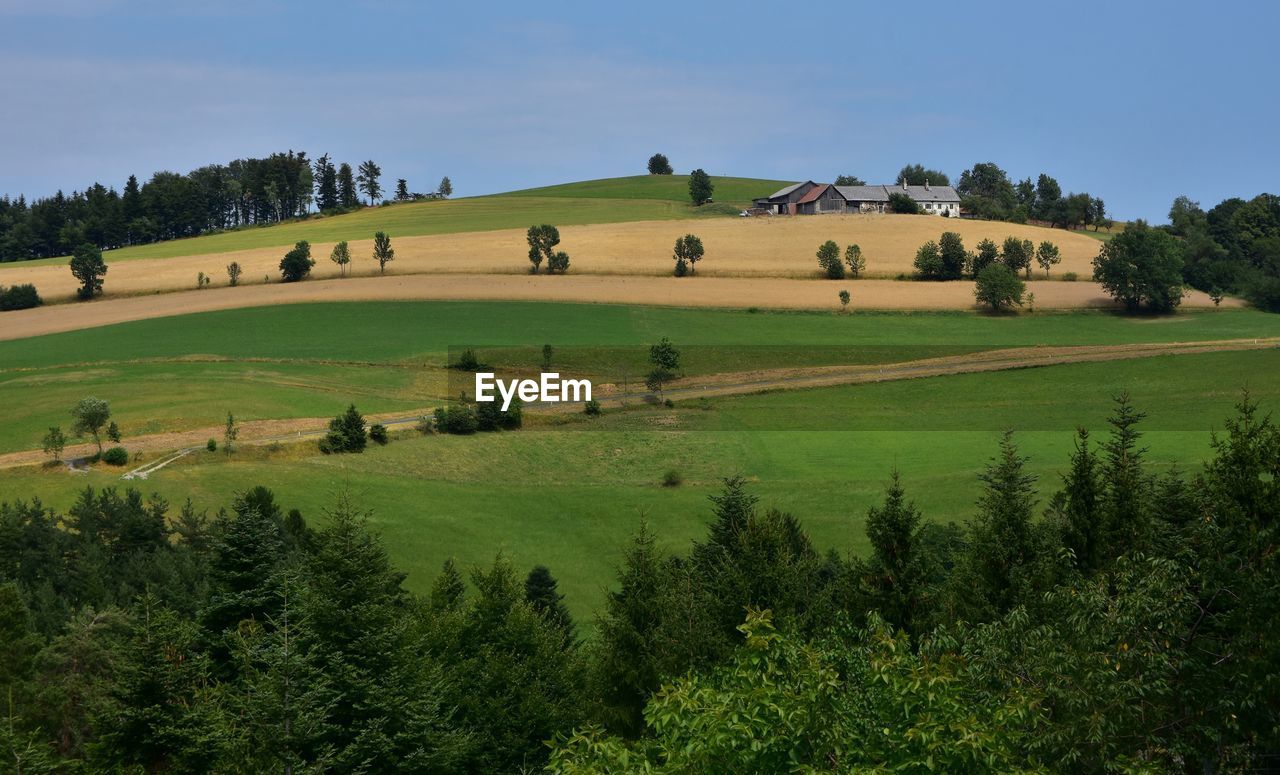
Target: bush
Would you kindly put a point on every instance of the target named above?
(297, 263)
(346, 433)
(20, 297)
(425, 425)
(116, 456)
(901, 203)
(468, 361)
(829, 260)
(1070, 277)
(682, 267)
(378, 433)
(928, 262)
(457, 419)
(211, 445)
(999, 287)
(672, 478)
(591, 408)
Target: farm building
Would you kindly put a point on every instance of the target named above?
(811, 198)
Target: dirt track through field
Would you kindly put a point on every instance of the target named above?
(708, 386)
(721, 292)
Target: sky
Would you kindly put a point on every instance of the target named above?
(1135, 103)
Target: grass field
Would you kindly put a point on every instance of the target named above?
(612, 200)
(307, 360)
(570, 499)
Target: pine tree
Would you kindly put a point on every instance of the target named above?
(326, 181)
(1082, 530)
(346, 187)
(368, 180)
(448, 590)
(246, 560)
(734, 507)
(895, 569)
(626, 667)
(1003, 544)
(1126, 486)
(541, 591)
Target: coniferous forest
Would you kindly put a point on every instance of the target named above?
(1130, 623)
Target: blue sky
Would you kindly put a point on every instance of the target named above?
(1134, 103)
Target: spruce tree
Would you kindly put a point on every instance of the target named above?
(895, 570)
(542, 592)
(1081, 514)
(448, 589)
(247, 556)
(1003, 543)
(1127, 488)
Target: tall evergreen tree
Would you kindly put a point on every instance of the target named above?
(1003, 544)
(347, 196)
(1127, 488)
(1081, 512)
(367, 179)
(896, 573)
(326, 182)
(244, 570)
(542, 592)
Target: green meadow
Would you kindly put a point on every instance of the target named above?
(311, 360)
(569, 496)
(612, 200)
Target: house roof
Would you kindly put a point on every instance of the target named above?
(881, 193)
(863, 193)
(789, 189)
(814, 193)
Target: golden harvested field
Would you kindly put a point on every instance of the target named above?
(778, 247)
(727, 292)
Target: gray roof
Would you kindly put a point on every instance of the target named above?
(881, 193)
(784, 191)
(863, 193)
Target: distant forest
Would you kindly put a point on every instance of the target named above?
(169, 206)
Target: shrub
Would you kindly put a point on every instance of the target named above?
(297, 263)
(1264, 293)
(682, 268)
(233, 273)
(928, 262)
(346, 433)
(672, 478)
(829, 260)
(20, 297)
(457, 419)
(1070, 277)
(901, 203)
(116, 456)
(558, 262)
(999, 287)
(425, 425)
(844, 299)
(378, 433)
(211, 445)
(669, 403)
(591, 408)
(468, 361)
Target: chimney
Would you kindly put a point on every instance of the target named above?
(904, 182)
(926, 184)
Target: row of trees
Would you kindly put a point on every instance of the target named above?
(1232, 248)
(169, 205)
(947, 259)
(1126, 624)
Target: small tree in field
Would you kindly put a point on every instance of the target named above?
(700, 187)
(1017, 254)
(402, 190)
(445, 190)
(1048, 256)
(341, 255)
(54, 443)
(999, 287)
(346, 433)
(854, 260)
(844, 299)
(88, 267)
(113, 432)
(297, 263)
(665, 359)
(542, 241)
(658, 165)
(928, 262)
(689, 250)
(829, 260)
(229, 433)
(88, 417)
(233, 273)
(383, 253)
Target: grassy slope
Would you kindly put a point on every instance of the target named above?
(612, 200)
(570, 499)
(311, 360)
